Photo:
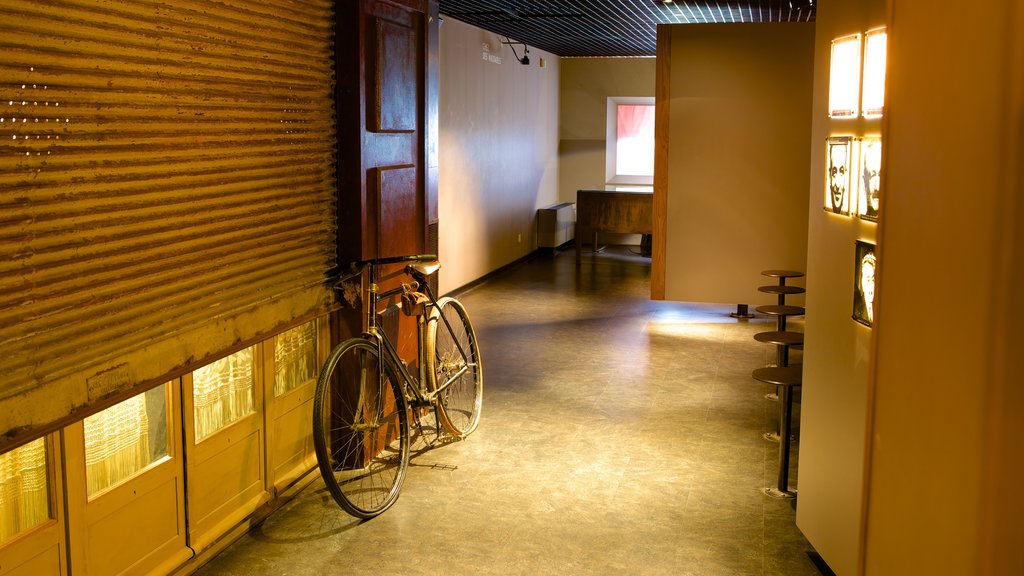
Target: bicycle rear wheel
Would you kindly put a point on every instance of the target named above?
(360, 429)
(454, 367)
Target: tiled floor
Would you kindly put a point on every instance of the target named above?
(619, 436)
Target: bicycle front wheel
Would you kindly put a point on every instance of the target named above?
(454, 369)
(360, 429)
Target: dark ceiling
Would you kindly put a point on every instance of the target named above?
(611, 27)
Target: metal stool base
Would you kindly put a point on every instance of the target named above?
(778, 494)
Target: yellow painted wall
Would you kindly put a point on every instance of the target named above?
(498, 156)
(833, 419)
(947, 443)
(586, 85)
(737, 158)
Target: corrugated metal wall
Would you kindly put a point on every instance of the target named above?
(166, 189)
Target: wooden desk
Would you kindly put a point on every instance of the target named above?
(612, 211)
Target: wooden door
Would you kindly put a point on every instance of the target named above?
(386, 123)
(387, 133)
(125, 487)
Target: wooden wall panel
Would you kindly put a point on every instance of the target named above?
(401, 212)
(395, 80)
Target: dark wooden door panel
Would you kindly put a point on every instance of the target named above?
(386, 136)
(391, 148)
(401, 211)
(397, 82)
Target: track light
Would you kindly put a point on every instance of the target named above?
(525, 60)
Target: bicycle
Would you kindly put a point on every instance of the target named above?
(366, 396)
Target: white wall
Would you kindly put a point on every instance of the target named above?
(833, 418)
(498, 151)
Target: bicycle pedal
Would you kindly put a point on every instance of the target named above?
(416, 404)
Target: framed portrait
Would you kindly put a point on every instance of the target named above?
(837, 190)
(870, 174)
(864, 267)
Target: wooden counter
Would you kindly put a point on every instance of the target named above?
(612, 211)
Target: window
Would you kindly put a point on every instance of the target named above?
(125, 439)
(630, 141)
(223, 392)
(295, 355)
(24, 489)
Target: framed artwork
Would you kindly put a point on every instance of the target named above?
(837, 192)
(864, 266)
(844, 77)
(870, 174)
(873, 83)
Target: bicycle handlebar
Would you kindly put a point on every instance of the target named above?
(356, 267)
(394, 260)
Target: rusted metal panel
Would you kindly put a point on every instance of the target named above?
(166, 191)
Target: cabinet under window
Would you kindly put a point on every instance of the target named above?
(224, 444)
(125, 485)
(246, 420)
(31, 512)
(295, 363)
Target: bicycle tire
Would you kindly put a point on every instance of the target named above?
(460, 402)
(360, 429)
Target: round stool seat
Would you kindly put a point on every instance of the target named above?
(782, 289)
(780, 338)
(785, 376)
(782, 273)
(775, 310)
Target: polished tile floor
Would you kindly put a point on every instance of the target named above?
(619, 436)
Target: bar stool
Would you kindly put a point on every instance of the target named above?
(782, 290)
(782, 342)
(781, 313)
(782, 275)
(786, 378)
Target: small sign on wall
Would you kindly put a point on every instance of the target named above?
(488, 56)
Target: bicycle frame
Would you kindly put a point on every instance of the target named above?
(368, 401)
(416, 386)
(385, 347)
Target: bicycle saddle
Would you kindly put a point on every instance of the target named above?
(423, 269)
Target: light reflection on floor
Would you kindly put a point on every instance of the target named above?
(618, 436)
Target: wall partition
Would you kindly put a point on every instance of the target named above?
(32, 523)
(730, 167)
(843, 211)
